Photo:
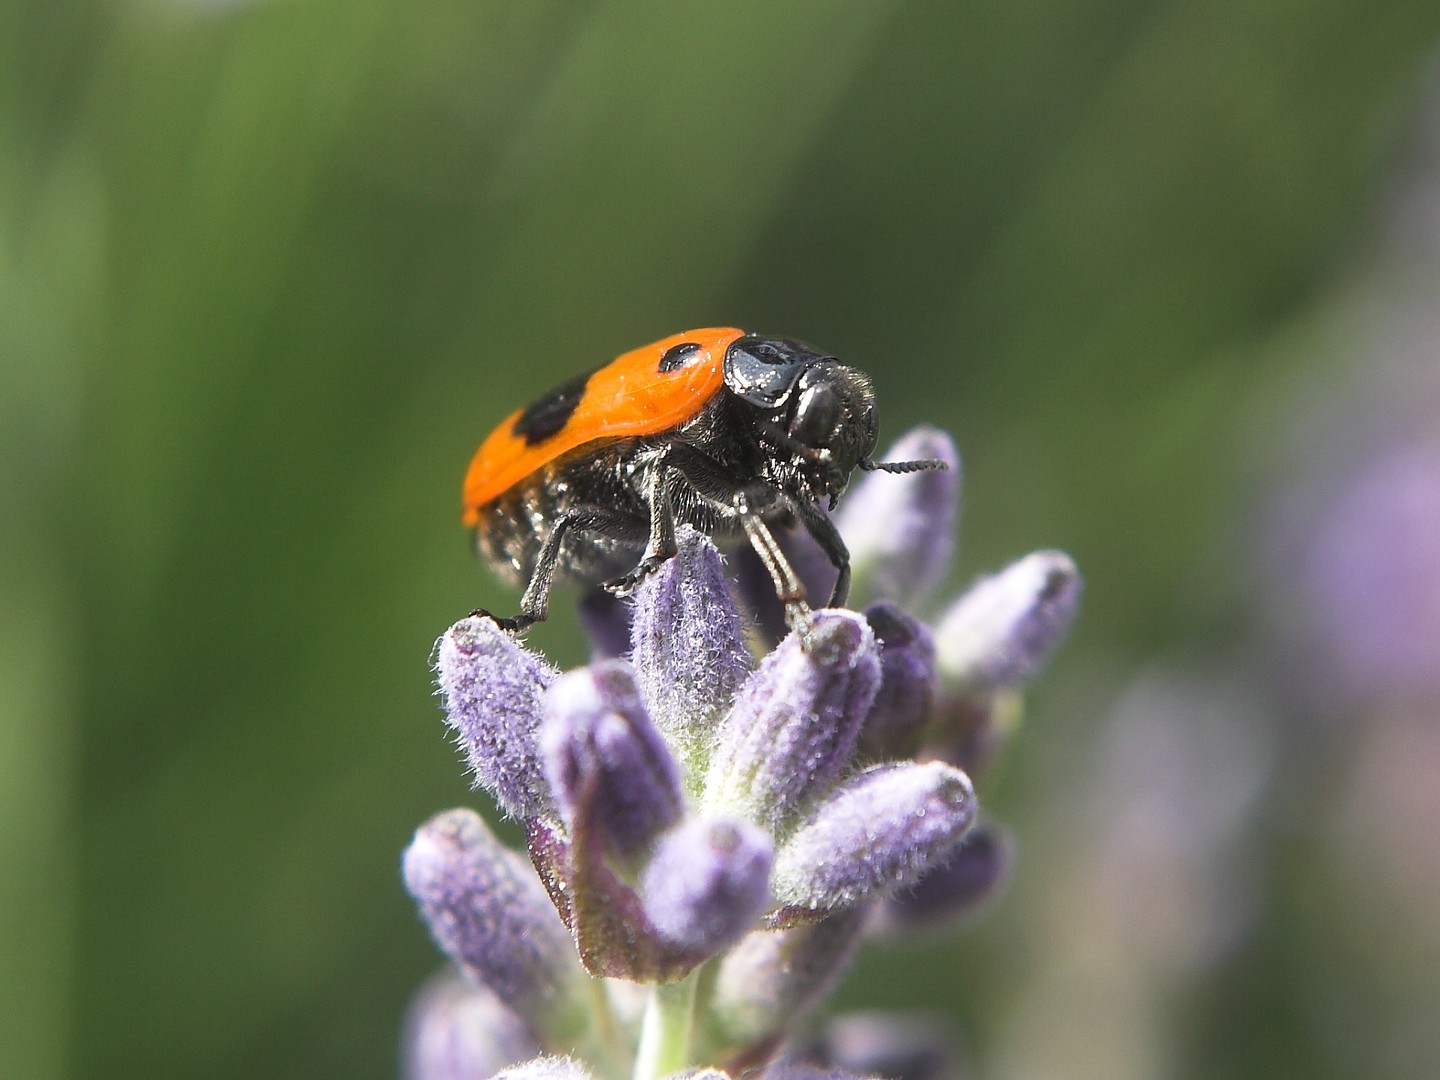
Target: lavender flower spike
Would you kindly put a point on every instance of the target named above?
(794, 725)
(900, 529)
(599, 746)
(489, 913)
(880, 830)
(689, 652)
(491, 687)
(708, 883)
(1002, 630)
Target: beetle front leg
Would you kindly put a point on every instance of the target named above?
(818, 524)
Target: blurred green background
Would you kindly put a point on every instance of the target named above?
(269, 271)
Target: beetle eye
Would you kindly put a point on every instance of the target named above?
(817, 414)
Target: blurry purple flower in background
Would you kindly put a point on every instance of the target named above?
(1371, 574)
(720, 830)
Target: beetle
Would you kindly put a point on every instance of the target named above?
(724, 430)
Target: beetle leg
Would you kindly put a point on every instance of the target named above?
(788, 586)
(660, 547)
(818, 524)
(535, 604)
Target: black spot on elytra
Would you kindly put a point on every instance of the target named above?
(548, 415)
(677, 356)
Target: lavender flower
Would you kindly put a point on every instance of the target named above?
(455, 1032)
(601, 749)
(689, 650)
(489, 914)
(973, 876)
(491, 687)
(688, 805)
(795, 723)
(907, 683)
(1002, 631)
(708, 883)
(880, 830)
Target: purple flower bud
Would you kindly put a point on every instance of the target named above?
(875, 1043)
(606, 622)
(972, 877)
(458, 1032)
(546, 1068)
(491, 687)
(900, 528)
(602, 752)
(690, 655)
(771, 979)
(880, 830)
(907, 684)
(489, 913)
(1002, 630)
(708, 883)
(794, 725)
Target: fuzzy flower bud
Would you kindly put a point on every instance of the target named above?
(1002, 630)
(795, 723)
(880, 830)
(900, 528)
(689, 653)
(708, 883)
(491, 687)
(606, 622)
(456, 1032)
(601, 749)
(907, 684)
(973, 876)
(489, 913)
(771, 979)
(875, 1043)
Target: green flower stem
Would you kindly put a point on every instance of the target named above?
(665, 1031)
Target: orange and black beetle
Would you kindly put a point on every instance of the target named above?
(715, 428)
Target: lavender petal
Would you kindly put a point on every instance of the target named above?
(606, 622)
(974, 876)
(880, 830)
(489, 913)
(690, 654)
(1003, 629)
(875, 1043)
(771, 979)
(600, 747)
(907, 684)
(708, 883)
(491, 687)
(457, 1032)
(795, 722)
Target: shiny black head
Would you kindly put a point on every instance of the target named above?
(815, 415)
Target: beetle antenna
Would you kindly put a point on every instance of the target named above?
(923, 465)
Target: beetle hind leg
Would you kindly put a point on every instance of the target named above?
(597, 522)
